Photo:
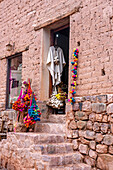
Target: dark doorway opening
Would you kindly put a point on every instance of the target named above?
(60, 37)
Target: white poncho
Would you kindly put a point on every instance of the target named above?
(55, 63)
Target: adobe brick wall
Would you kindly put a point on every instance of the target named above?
(17, 24)
(92, 26)
(90, 129)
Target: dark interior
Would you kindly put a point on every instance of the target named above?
(61, 39)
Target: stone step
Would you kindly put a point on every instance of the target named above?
(37, 138)
(53, 128)
(80, 166)
(63, 159)
(55, 119)
(55, 148)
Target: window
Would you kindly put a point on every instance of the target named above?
(14, 79)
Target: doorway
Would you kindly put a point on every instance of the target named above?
(60, 37)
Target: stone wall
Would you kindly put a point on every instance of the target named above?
(7, 120)
(9, 117)
(90, 128)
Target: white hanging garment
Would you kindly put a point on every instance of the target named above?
(55, 64)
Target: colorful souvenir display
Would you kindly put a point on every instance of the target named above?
(23, 101)
(24, 105)
(54, 102)
(74, 75)
(61, 94)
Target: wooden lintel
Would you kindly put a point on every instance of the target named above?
(76, 9)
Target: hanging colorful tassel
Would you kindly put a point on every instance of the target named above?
(33, 114)
(24, 104)
(74, 75)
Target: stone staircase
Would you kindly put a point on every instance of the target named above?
(58, 154)
(46, 149)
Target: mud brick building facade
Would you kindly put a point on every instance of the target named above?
(28, 28)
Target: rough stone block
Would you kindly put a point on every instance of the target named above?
(105, 161)
(108, 140)
(70, 116)
(101, 98)
(77, 157)
(10, 116)
(75, 144)
(73, 125)
(104, 127)
(75, 107)
(88, 98)
(99, 137)
(98, 107)
(92, 144)
(78, 99)
(92, 154)
(81, 124)
(84, 141)
(86, 106)
(89, 125)
(111, 150)
(89, 134)
(105, 118)
(111, 126)
(90, 161)
(110, 108)
(92, 117)
(99, 117)
(81, 133)
(79, 115)
(68, 107)
(110, 118)
(96, 127)
(69, 133)
(75, 134)
(83, 149)
(93, 99)
(101, 148)
(110, 98)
